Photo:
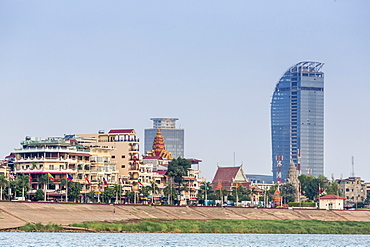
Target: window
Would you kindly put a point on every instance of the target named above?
(113, 156)
(51, 167)
(123, 156)
(123, 166)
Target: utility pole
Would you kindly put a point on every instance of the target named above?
(206, 188)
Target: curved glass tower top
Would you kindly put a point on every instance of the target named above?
(297, 121)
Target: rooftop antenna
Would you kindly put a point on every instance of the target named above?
(353, 167)
(234, 158)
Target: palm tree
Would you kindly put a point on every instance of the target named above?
(204, 191)
(3, 183)
(44, 180)
(23, 183)
(64, 183)
(185, 187)
(118, 190)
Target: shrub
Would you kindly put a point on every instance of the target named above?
(302, 204)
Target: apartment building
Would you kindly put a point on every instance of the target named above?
(353, 189)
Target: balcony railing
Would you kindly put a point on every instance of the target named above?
(48, 149)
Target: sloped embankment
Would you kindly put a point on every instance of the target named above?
(15, 214)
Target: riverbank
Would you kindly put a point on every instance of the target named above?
(17, 214)
(208, 226)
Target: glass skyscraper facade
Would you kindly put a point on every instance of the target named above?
(297, 121)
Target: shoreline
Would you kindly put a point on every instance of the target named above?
(206, 226)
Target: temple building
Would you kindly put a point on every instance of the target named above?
(229, 177)
(293, 180)
(159, 148)
(173, 136)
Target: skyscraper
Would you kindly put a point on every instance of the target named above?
(297, 121)
(173, 137)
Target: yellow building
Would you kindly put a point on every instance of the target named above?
(124, 154)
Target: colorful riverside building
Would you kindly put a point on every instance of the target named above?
(125, 155)
(159, 158)
(59, 157)
(297, 121)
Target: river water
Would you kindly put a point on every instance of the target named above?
(178, 239)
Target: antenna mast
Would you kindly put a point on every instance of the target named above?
(353, 167)
(234, 158)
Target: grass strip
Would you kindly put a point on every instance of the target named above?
(231, 226)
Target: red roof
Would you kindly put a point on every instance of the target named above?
(160, 172)
(121, 131)
(194, 161)
(225, 174)
(332, 197)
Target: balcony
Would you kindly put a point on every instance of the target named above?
(134, 139)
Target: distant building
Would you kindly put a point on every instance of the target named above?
(297, 121)
(173, 137)
(258, 178)
(353, 189)
(59, 157)
(331, 202)
(229, 177)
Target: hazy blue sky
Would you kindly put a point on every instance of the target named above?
(81, 66)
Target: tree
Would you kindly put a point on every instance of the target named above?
(177, 169)
(367, 201)
(108, 194)
(3, 183)
(152, 189)
(74, 190)
(39, 195)
(204, 191)
(333, 189)
(323, 182)
(64, 183)
(91, 195)
(144, 191)
(244, 194)
(23, 184)
(170, 192)
(118, 190)
(45, 180)
(287, 192)
(130, 196)
(13, 189)
(310, 186)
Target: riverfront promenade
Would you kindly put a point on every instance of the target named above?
(15, 214)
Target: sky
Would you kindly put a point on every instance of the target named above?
(71, 67)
